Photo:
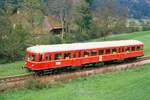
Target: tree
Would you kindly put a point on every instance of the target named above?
(4, 24)
(83, 16)
(109, 18)
(10, 6)
(4, 30)
(2, 4)
(13, 43)
(34, 9)
(61, 9)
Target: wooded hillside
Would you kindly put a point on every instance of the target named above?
(25, 23)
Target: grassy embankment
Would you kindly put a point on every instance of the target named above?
(15, 68)
(12, 69)
(132, 84)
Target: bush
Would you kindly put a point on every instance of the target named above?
(69, 38)
(13, 45)
(82, 36)
(55, 39)
(35, 84)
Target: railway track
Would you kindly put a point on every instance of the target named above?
(145, 58)
(14, 78)
(12, 81)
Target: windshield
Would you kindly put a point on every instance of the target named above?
(30, 57)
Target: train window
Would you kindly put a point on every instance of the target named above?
(40, 57)
(138, 48)
(48, 57)
(58, 56)
(86, 53)
(141, 47)
(94, 52)
(75, 55)
(122, 49)
(127, 49)
(67, 55)
(101, 52)
(119, 50)
(133, 48)
(107, 51)
(114, 50)
(80, 54)
(32, 57)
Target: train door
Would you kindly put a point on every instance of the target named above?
(67, 58)
(58, 59)
(76, 58)
(86, 57)
(121, 54)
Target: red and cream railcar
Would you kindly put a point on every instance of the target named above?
(43, 57)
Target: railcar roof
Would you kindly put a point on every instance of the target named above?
(80, 46)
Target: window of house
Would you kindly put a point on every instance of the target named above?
(101, 52)
(58, 56)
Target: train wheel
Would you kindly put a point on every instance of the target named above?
(48, 71)
(39, 72)
(131, 59)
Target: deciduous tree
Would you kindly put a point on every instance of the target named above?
(109, 18)
(12, 41)
(61, 9)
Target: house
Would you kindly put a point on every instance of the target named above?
(52, 25)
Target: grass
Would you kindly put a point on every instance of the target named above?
(132, 84)
(11, 69)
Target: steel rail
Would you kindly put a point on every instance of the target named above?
(14, 78)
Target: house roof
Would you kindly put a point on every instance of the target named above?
(52, 23)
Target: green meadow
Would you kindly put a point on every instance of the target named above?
(131, 84)
(12, 69)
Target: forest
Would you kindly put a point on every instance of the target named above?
(25, 23)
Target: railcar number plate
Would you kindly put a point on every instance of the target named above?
(58, 63)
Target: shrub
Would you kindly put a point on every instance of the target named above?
(55, 39)
(13, 43)
(35, 84)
